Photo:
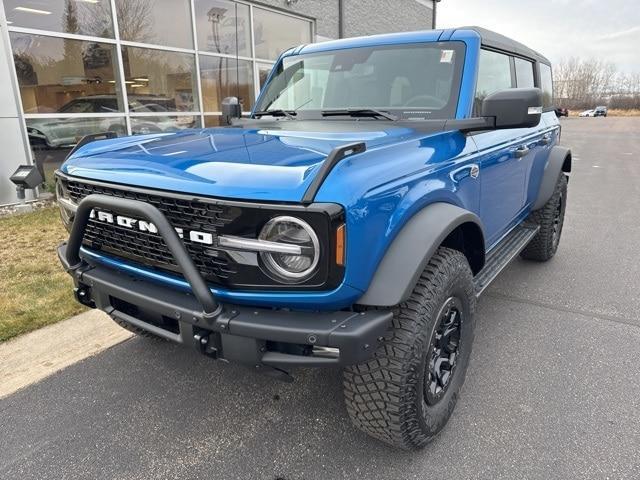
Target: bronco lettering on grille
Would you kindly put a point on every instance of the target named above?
(144, 226)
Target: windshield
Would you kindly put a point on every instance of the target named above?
(412, 81)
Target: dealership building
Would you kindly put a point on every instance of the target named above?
(75, 67)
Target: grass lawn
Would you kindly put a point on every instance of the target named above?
(34, 289)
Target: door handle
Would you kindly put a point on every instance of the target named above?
(521, 151)
(546, 139)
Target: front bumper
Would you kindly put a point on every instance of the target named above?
(259, 337)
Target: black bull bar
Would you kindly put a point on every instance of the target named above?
(231, 332)
(135, 207)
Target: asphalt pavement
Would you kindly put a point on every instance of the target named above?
(553, 390)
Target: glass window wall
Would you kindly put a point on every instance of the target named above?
(159, 81)
(223, 27)
(275, 33)
(226, 77)
(53, 73)
(157, 22)
(77, 75)
(83, 17)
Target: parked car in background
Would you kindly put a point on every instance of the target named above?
(562, 112)
(587, 113)
(600, 111)
(66, 132)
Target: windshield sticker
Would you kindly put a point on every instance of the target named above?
(446, 56)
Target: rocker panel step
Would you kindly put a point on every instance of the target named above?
(501, 255)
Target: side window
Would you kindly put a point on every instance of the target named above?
(546, 84)
(494, 73)
(524, 73)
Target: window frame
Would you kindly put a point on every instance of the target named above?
(533, 69)
(456, 81)
(512, 73)
(551, 107)
(537, 74)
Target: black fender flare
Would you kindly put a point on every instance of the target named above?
(559, 161)
(411, 250)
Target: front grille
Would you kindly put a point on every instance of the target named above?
(150, 249)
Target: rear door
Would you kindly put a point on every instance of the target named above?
(548, 133)
(537, 139)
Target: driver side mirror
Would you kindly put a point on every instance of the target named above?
(231, 108)
(514, 107)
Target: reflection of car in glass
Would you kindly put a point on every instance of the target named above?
(65, 132)
(587, 113)
(351, 222)
(600, 112)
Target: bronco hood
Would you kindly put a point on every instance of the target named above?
(276, 161)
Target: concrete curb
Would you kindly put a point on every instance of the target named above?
(30, 358)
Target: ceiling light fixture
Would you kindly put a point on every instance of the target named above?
(33, 10)
(89, 1)
(141, 79)
(137, 85)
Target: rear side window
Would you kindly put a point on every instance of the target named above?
(524, 73)
(494, 73)
(546, 84)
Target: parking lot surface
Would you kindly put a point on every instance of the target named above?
(553, 390)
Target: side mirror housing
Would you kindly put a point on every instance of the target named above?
(514, 107)
(231, 108)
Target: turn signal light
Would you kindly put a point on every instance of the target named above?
(340, 243)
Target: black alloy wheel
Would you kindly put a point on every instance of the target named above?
(443, 351)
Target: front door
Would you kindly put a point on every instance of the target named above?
(506, 156)
(504, 162)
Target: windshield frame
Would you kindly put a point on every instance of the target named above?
(402, 113)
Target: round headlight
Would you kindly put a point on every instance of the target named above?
(288, 267)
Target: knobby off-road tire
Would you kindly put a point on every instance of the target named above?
(391, 397)
(550, 218)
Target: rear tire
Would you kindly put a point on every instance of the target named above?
(405, 394)
(550, 218)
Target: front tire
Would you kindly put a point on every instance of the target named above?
(405, 394)
(550, 218)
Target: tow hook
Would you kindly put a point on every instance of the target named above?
(83, 295)
(205, 346)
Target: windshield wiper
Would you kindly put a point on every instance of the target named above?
(359, 112)
(276, 113)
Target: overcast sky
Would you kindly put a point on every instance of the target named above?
(606, 29)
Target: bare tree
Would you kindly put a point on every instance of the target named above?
(582, 83)
(135, 19)
(626, 94)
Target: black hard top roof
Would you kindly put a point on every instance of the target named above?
(495, 40)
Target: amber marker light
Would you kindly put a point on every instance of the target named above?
(340, 241)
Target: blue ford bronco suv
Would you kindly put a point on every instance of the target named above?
(352, 220)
